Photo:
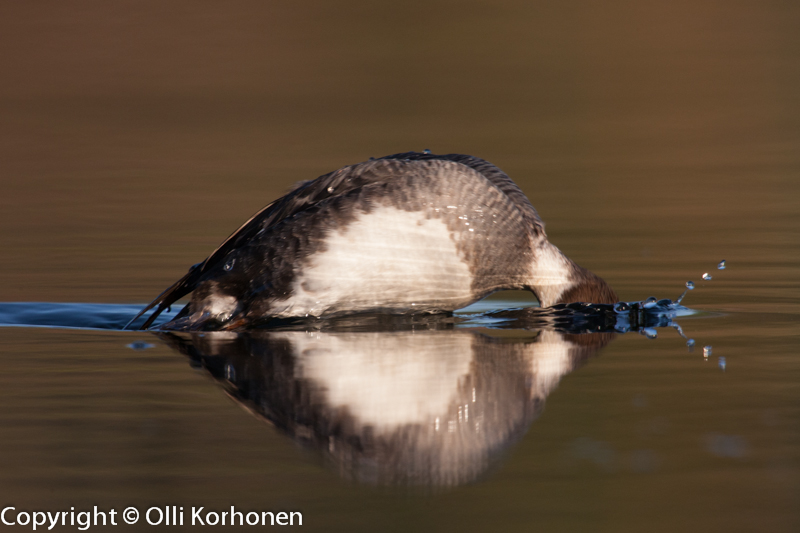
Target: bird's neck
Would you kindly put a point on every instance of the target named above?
(557, 279)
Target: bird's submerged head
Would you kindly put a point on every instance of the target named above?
(588, 288)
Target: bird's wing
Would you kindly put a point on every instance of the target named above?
(311, 193)
(493, 175)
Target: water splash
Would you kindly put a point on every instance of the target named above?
(689, 287)
(650, 333)
(706, 276)
(679, 329)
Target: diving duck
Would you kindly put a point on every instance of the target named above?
(407, 233)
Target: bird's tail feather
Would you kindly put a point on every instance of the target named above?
(174, 292)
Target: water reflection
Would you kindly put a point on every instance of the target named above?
(434, 407)
(420, 400)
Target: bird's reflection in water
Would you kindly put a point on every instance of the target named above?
(422, 407)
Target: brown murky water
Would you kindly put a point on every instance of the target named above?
(654, 139)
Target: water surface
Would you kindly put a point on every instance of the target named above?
(653, 139)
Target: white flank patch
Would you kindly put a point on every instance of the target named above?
(550, 274)
(221, 307)
(385, 380)
(387, 260)
(218, 305)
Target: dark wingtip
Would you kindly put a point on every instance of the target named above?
(171, 294)
(143, 311)
(153, 316)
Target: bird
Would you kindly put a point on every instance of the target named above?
(408, 233)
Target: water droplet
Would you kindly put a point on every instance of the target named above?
(330, 189)
(650, 333)
(621, 307)
(707, 350)
(721, 363)
(426, 151)
(650, 302)
(679, 329)
(707, 276)
(230, 373)
(229, 265)
(690, 343)
(690, 285)
(721, 265)
(664, 302)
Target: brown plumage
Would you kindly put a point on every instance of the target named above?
(407, 233)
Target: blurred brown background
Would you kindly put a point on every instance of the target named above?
(654, 138)
(136, 135)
